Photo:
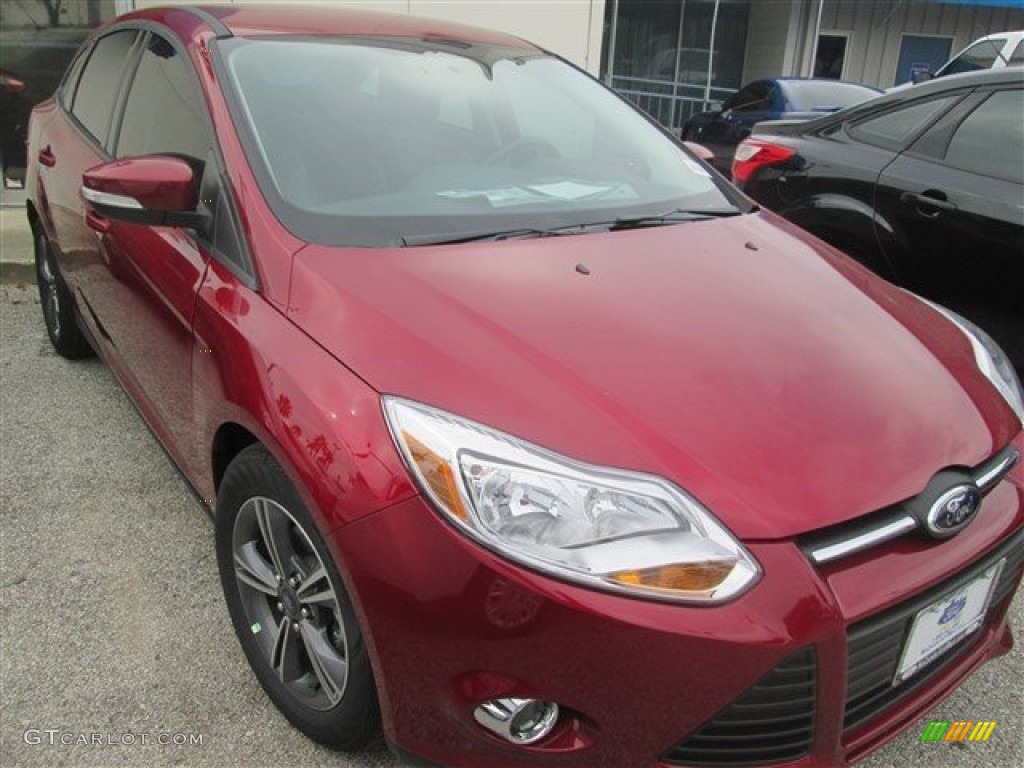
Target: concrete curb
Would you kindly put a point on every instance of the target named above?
(14, 272)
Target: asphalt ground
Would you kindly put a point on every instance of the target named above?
(112, 617)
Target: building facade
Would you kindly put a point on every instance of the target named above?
(675, 57)
(670, 57)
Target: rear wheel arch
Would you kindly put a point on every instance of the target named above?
(849, 224)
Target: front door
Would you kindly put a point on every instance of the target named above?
(154, 273)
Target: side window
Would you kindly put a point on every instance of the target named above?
(225, 240)
(97, 89)
(742, 96)
(67, 88)
(895, 128)
(756, 97)
(162, 114)
(990, 140)
(1017, 57)
(978, 56)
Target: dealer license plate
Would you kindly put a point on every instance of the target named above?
(946, 622)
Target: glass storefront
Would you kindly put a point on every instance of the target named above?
(675, 57)
(37, 40)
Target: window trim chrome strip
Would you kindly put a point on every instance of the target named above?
(890, 530)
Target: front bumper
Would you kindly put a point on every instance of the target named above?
(645, 684)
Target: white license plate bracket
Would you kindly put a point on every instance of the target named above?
(946, 622)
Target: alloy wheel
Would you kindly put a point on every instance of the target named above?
(291, 606)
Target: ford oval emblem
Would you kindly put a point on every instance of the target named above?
(953, 610)
(953, 510)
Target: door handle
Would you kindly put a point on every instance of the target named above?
(47, 158)
(97, 222)
(934, 200)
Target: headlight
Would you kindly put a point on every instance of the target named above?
(606, 528)
(991, 360)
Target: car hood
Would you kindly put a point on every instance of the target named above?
(777, 381)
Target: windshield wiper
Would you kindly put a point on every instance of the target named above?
(623, 222)
(674, 216)
(410, 241)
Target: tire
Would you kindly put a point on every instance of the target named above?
(58, 310)
(299, 633)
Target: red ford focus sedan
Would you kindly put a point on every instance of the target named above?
(526, 436)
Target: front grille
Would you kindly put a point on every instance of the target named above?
(875, 644)
(772, 722)
(845, 539)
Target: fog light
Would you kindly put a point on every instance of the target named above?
(520, 721)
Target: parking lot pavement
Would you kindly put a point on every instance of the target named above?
(112, 616)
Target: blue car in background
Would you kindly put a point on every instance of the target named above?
(772, 98)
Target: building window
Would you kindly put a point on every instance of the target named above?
(39, 39)
(672, 59)
(830, 56)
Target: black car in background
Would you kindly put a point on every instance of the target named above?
(771, 98)
(924, 185)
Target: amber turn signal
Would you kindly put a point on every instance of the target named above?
(438, 476)
(687, 577)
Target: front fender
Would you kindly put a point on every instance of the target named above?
(323, 424)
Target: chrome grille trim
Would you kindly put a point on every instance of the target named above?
(827, 545)
(990, 474)
(866, 540)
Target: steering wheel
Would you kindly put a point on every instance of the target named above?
(522, 150)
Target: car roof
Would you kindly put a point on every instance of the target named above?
(1007, 75)
(269, 19)
(788, 79)
(964, 80)
(1014, 33)
(822, 81)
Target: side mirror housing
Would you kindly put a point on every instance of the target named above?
(921, 76)
(154, 190)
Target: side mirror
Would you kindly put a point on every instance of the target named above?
(920, 76)
(155, 190)
(700, 151)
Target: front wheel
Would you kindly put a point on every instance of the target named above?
(58, 313)
(289, 607)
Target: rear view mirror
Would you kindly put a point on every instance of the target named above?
(156, 190)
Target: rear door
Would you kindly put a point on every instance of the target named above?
(72, 142)
(957, 195)
(153, 273)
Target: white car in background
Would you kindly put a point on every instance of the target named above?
(1002, 49)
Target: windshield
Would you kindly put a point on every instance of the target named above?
(379, 142)
(811, 96)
